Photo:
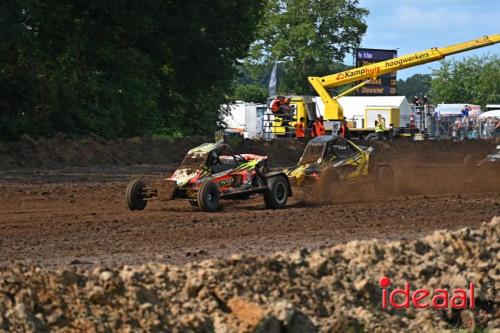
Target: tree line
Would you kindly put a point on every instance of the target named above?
(473, 80)
(119, 68)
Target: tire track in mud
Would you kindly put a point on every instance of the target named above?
(56, 222)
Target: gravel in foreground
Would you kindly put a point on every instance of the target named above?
(330, 290)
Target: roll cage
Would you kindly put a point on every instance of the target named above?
(327, 149)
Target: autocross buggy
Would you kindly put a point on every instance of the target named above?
(336, 160)
(210, 172)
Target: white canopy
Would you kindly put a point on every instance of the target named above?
(492, 107)
(492, 113)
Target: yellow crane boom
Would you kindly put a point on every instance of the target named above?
(333, 110)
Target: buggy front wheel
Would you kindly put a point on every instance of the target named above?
(208, 197)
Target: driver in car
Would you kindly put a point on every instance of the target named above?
(213, 159)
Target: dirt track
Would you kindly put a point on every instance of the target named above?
(78, 216)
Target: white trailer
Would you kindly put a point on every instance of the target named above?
(361, 111)
(244, 117)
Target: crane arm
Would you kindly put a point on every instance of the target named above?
(333, 111)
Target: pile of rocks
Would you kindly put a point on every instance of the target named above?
(332, 290)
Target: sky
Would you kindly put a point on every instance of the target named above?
(417, 25)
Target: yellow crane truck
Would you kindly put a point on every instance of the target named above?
(305, 107)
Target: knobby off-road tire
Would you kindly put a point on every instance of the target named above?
(385, 181)
(135, 199)
(208, 197)
(276, 195)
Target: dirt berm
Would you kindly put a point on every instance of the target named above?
(60, 152)
(330, 290)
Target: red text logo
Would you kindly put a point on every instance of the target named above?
(424, 298)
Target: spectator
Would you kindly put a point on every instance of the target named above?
(317, 128)
(321, 126)
(436, 117)
(285, 106)
(299, 129)
(314, 128)
(425, 100)
(457, 126)
(277, 105)
(465, 113)
(344, 130)
(490, 128)
(416, 101)
(380, 127)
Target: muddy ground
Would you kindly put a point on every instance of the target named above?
(78, 216)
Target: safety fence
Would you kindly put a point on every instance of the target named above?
(281, 129)
(454, 127)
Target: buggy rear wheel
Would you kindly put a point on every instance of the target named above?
(135, 196)
(276, 195)
(208, 197)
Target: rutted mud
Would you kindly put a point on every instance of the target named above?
(70, 214)
(79, 217)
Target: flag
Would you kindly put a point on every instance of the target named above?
(272, 81)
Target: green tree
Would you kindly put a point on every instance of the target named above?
(204, 53)
(118, 68)
(250, 93)
(415, 85)
(310, 37)
(474, 80)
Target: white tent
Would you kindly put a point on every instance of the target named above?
(491, 107)
(492, 113)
